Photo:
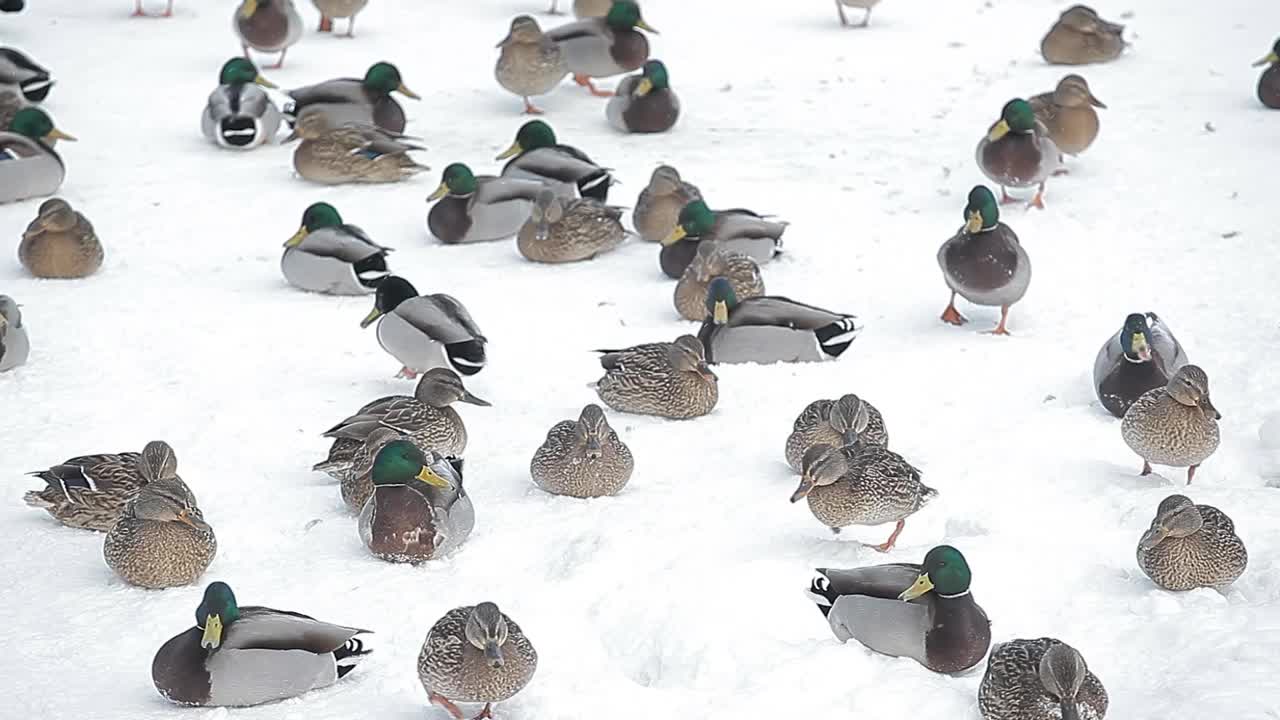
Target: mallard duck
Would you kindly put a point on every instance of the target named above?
(770, 328)
(1174, 425)
(366, 100)
(268, 26)
(737, 230)
(644, 103)
(583, 9)
(331, 10)
(14, 344)
(425, 331)
(28, 77)
(161, 539)
(602, 47)
(60, 243)
(669, 380)
(90, 491)
(537, 156)
(10, 103)
(241, 656)
(1017, 152)
(530, 62)
(658, 207)
(137, 9)
(356, 483)
(568, 230)
(1042, 679)
(582, 459)
(328, 256)
(939, 626)
(1191, 546)
(1269, 82)
(479, 209)
(1141, 356)
(837, 423)
(713, 261)
(1080, 37)
(239, 115)
(475, 654)
(867, 5)
(984, 263)
(418, 510)
(1068, 113)
(29, 166)
(351, 153)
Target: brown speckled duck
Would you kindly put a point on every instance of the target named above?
(561, 230)
(475, 654)
(60, 243)
(601, 47)
(161, 539)
(1080, 37)
(837, 423)
(90, 491)
(658, 207)
(669, 379)
(1042, 679)
(1068, 113)
(583, 458)
(530, 62)
(712, 261)
(1175, 425)
(1269, 81)
(350, 153)
(1191, 546)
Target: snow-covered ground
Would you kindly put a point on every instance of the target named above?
(682, 597)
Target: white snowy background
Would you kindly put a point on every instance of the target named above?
(682, 597)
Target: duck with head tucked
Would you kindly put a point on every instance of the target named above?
(601, 47)
(1017, 152)
(14, 344)
(583, 458)
(1068, 114)
(29, 166)
(771, 328)
(667, 379)
(475, 654)
(1080, 37)
(1174, 425)
(268, 26)
(1141, 356)
(537, 155)
(644, 103)
(161, 539)
(238, 114)
(1191, 546)
(658, 207)
(60, 243)
(364, 100)
(838, 423)
(91, 491)
(1042, 679)
(1269, 81)
(561, 230)
(713, 261)
(984, 262)
(327, 255)
(418, 510)
(470, 208)
(530, 62)
(425, 331)
(737, 230)
(351, 153)
(331, 10)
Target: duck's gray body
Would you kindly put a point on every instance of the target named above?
(417, 332)
(497, 210)
(28, 168)
(19, 72)
(1119, 382)
(14, 344)
(737, 231)
(328, 260)
(565, 169)
(776, 329)
(346, 100)
(400, 523)
(240, 116)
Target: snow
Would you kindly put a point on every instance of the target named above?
(683, 595)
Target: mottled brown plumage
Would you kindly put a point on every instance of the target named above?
(356, 485)
(583, 458)
(1041, 679)
(670, 380)
(1176, 425)
(530, 63)
(475, 654)
(1068, 113)
(569, 229)
(1191, 546)
(715, 260)
(90, 491)
(60, 243)
(161, 540)
(351, 153)
(1080, 37)
(836, 423)
(658, 207)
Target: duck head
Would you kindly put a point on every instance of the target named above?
(531, 136)
(318, 216)
(391, 292)
(944, 571)
(217, 611)
(486, 631)
(1177, 517)
(1190, 387)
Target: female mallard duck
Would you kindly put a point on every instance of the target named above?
(1068, 113)
(366, 100)
(770, 328)
(356, 483)
(713, 261)
(161, 539)
(1141, 356)
(984, 263)
(658, 207)
(418, 510)
(837, 423)
(1017, 152)
(669, 379)
(537, 156)
(1042, 679)
(268, 26)
(475, 654)
(644, 103)
(60, 243)
(1175, 425)
(867, 5)
(530, 62)
(241, 656)
(18, 71)
(939, 626)
(861, 485)
(1269, 82)
(1080, 37)
(1191, 546)
(328, 256)
(331, 10)
(425, 331)
(29, 166)
(563, 230)
(10, 103)
(602, 47)
(737, 230)
(582, 459)
(351, 153)
(90, 491)
(14, 344)
(239, 115)
(479, 209)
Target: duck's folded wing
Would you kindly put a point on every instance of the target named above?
(261, 628)
(342, 90)
(881, 581)
(444, 318)
(1165, 346)
(254, 102)
(561, 163)
(891, 627)
(340, 244)
(1109, 356)
(358, 233)
(782, 312)
(497, 190)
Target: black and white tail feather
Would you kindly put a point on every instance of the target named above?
(820, 592)
(350, 655)
(836, 337)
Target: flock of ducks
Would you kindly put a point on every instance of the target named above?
(398, 459)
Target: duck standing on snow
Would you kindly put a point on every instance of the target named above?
(268, 26)
(351, 153)
(327, 255)
(563, 230)
(984, 263)
(239, 115)
(667, 379)
(60, 243)
(737, 230)
(582, 459)
(658, 206)
(769, 329)
(530, 63)
(161, 539)
(367, 100)
(137, 9)
(537, 156)
(1141, 356)
(1042, 679)
(1191, 546)
(331, 10)
(1068, 113)
(427, 331)
(418, 510)
(713, 261)
(90, 491)
(838, 423)
(241, 656)
(1174, 425)
(1017, 152)
(602, 47)
(1080, 37)
(867, 5)
(14, 344)
(472, 209)
(1269, 82)
(475, 654)
(20, 73)
(29, 166)
(644, 103)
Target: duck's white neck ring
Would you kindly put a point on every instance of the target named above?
(949, 597)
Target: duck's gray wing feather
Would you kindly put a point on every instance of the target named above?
(341, 244)
(882, 581)
(262, 628)
(782, 312)
(1110, 355)
(1165, 345)
(358, 232)
(492, 190)
(341, 90)
(891, 627)
(458, 314)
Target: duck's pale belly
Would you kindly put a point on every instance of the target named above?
(315, 273)
(406, 343)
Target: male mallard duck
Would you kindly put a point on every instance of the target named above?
(770, 328)
(1174, 425)
(161, 539)
(713, 261)
(737, 230)
(20, 72)
(530, 62)
(669, 379)
(241, 656)
(644, 103)
(351, 153)
(867, 5)
(1141, 356)
(366, 100)
(984, 263)
(1080, 37)
(1017, 151)
(328, 256)
(137, 9)
(425, 331)
(1269, 82)
(564, 168)
(268, 26)
(837, 423)
(1068, 113)
(601, 47)
(568, 230)
(331, 10)
(939, 626)
(658, 207)
(582, 459)
(239, 115)
(91, 491)
(60, 243)
(356, 482)
(1042, 679)
(14, 344)
(475, 654)
(418, 510)
(1191, 546)
(29, 166)
(479, 209)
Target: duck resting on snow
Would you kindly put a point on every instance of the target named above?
(770, 328)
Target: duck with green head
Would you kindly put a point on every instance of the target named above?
(425, 331)
(1041, 679)
(771, 328)
(713, 261)
(237, 656)
(418, 510)
(537, 155)
(1141, 356)
(364, 100)
(350, 153)
(925, 612)
(1018, 152)
(268, 26)
(645, 103)
(326, 255)
(984, 263)
(471, 209)
(737, 230)
(238, 114)
(604, 46)
(29, 166)
(1269, 82)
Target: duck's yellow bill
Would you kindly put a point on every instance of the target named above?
(439, 193)
(297, 238)
(265, 82)
(212, 632)
(248, 8)
(1270, 59)
(721, 313)
(429, 476)
(512, 151)
(921, 586)
(56, 134)
(676, 236)
(974, 223)
(645, 87)
(408, 93)
(374, 314)
(646, 26)
(1000, 130)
